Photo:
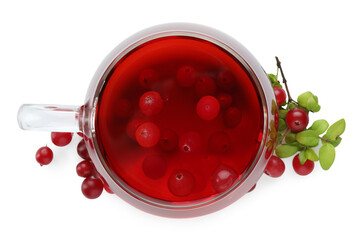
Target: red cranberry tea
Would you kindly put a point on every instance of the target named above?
(179, 119)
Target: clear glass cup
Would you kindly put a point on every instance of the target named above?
(59, 118)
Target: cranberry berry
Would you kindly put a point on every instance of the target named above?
(190, 142)
(304, 169)
(132, 126)
(181, 183)
(208, 108)
(225, 100)
(232, 117)
(44, 156)
(205, 86)
(219, 142)
(147, 134)
(85, 169)
(275, 167)
(223, 178)
(82, 150)
(92, 187)
(186, 76)
(148, 78)
(154, 166)
(297, 119)
(61, 139)
(280, 95)
(151, 103)
(226, 81)
(168, 140)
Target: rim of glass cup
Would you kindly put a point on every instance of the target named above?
(184, 204)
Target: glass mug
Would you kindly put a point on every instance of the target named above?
(193, 162)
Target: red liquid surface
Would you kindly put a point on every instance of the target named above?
(124, 156)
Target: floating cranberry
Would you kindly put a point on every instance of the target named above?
(232, 117)
(151, 103)
(147, 134)
(304, 169)
(226, 81)
(219, 142)
(85, 169)
(61, 139)
(181, 183)
(223, 178)
(82, 150)
(208, 107)
(132, 126)
(92, 187)
(186, 76)
(123, 108)
(148, 78)
(205, 86)
(44, 156)
(297, 119)
(275, 167)
(190, 142)
(280, 95)
(225, 100)
(168, 140)
(154, 166)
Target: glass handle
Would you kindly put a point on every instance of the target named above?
(53, 118)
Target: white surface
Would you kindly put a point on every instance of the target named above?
(49, 52)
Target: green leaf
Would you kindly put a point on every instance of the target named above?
(282, 125)
(326, 155)
(335, 130)
(292, 105)
(290, 138)
(336, 142)
(277, 84)
(272, 77)
(316, 109)
(282, 113)
(302, 157)
(284, 150)
(304, 98)
(308, 138)
(311, 103)
(311, 154)
(320, 126)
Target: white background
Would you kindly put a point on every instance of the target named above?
(49, 52)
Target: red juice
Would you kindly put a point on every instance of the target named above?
(167, 171)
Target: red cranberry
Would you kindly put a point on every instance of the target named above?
(151, 103)
(225, 100)
(82, 150)
(85, 169)
(208, 108)
(223, 178)
(148, 78)
(280, 95)
(219, 142)
(132, 126)
(61, 139)
(147, 134)
(181, 183)
(123, 108)
(205, 86)
(275, 167)
(44, 156)
(232, 117)
(92, 187)
(297, 119)
(168, 140)
(304, 169)
(154, 166)
(190, 142)
(186, 76)
(226, 81)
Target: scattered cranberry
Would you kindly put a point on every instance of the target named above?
(205, 86)
(190, 142)
(297, 119)
(232, 117)
(154, 166)
(168, 140)
(208, 108)
(44, 156)
(181, 183)
(219, 142)
(123, 108)
(304, 169)
(225, 100)
(186, 76)
(148, 78)
(223, 178)
(280, 95)
(82, 150)
(132, 126)
(147, 134)
(252, 188)
(275, 167)
(84, 169)
(92, 187)
(151, 103)
(61, 139)
(226, 81)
